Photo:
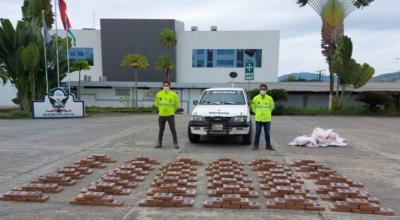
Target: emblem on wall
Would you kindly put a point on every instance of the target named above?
(58, 104)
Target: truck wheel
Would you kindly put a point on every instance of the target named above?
(193, 138)
(247, 137)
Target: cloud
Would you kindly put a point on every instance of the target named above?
(375, 30)
(301, 53)
(379, 48)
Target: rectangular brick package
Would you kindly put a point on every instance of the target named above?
(173, 185)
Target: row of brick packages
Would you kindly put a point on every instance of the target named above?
(119, 181)
(284, 189)
(174, 185)
(53, 182)
(344, 193)
(229, 186)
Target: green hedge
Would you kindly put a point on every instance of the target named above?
(96, 110)
(276, 94)
(15, 114)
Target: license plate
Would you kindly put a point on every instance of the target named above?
(217, 127)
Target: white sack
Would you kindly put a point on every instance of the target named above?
(319, 138)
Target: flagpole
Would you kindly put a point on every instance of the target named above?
(69, 73)
(57, 49)
(45, 53)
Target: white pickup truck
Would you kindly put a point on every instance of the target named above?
(221, 112)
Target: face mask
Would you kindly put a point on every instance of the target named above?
(263, 92)
(166, 88)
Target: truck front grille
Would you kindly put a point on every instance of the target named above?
(218, 119)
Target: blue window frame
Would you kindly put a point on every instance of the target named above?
(80, 53)
(225, 63)
(226, 58)
(198, 58)
(225, 52)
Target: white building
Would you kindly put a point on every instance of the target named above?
(202, 57)
(209, 56)
(223, 52)
(87, 40)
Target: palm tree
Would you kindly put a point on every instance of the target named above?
(351, 75)
(3, 75)
(20, 48)
(165, 63)
(135, 61)
(333, 13)
(30, 63)
(167, 38)
(79, 66)
(32, 11)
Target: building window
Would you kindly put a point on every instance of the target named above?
(226, 58)
(239, 58)
(225, 63)
(258, 58)
(198, 58)
(225, 52)
(210, 58)
(80, 53)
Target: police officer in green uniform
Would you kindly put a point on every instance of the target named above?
(167, 103)
(262, 105)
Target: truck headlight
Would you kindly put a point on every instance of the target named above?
(197, 118)
(239, 119)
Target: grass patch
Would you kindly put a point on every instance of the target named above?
(310, 111)
(351, 110)
(97, 110)
(302, 111)
(15, 114)
(9, 113)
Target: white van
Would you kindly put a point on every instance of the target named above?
(221, 112)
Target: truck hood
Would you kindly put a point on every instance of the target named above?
(221, 110)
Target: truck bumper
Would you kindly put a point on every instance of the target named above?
(205, 128)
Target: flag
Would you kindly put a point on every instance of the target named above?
(46, 34)
(65, 21)
(72, 36)
(63, 14)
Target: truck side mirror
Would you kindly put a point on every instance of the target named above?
(195, 102)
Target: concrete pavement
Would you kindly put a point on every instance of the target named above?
(29, 148)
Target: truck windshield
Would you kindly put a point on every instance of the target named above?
(223, 97)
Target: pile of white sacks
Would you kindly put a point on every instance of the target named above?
(319, 138)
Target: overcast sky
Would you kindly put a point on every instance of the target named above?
(375, 30)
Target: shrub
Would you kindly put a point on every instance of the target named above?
(154, 109)
(373, 100)
(126, 100)
(276, 94)
(95, 110)
(253, 93)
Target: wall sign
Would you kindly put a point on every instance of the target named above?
(58, 104)
(249, 71)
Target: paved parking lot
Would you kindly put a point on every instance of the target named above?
(30, 148)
